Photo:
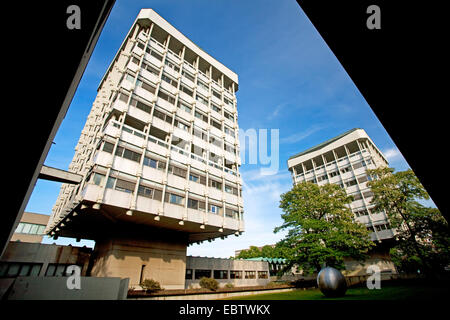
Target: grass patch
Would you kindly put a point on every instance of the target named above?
(387, 292)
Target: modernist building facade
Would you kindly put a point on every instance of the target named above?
(344, 160)
(159, 156)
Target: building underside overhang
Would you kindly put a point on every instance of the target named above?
(88, 220)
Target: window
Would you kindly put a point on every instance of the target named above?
(172, 65)
(123, 97)
(321, 178)
(193, 177)
(150, 69)
(214, 209)
(229, 116)
(169, 80)
(57, 270)
(235, 274)
(128, 154)
(346, 169)
(192, 204)
(182, 125)
(199, 273)
(201, 99)
(98, 179)
(216, 94)
(30, 228)
(216, 108)
(203, 85)
(145, 191)
(262, 275)
(333, 174)
(357, 196)
(108, 147)
(368, 194)
(216, 124)
(220, 274)
(188, 75)
(162, 116)
(184, 107)
(186, 90)
(150, 162)
(201, 116)
(189, 274)
(228, 131)
(215, 184)
(166, 97)
(250, 274)
(14, 269)
(140, 105)
(175, 199)
(228, 102)
(350, 183)
(200, 134)
(125, 186)
(177, 171)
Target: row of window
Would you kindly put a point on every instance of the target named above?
(161, 165)
(175, 67)
(224, 274)
(379, 227)
(156, 194)
(30, 228)
(160, 113)
(23, 269)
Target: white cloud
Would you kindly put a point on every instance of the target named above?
(296, 137)
(392, 154)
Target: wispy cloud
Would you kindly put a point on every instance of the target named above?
(392, 154)
(296, 137)
(275, 111)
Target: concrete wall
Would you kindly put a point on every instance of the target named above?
(205, 263)
(55, 288)
(164, 261)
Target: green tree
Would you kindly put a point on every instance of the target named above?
(422, 238)
(321, 228)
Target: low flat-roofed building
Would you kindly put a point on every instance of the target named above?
(31, 228)
(237, 272)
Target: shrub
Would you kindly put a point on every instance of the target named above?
(209, 283)
(150, 285)
(229, 285)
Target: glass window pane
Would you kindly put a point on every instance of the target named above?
(19, 228)
(50, 270)
(34, 229)
(35, 270)
(60, 270)
(26, 228)
(13, 270)
(24, 271)
(111, 182)
(41, 229)
(3, 268)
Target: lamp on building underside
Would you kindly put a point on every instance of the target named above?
(96, 206)
(157, 218)
(129, 213)
(181, 223)
(202, 226)
(220, 230)
(236, 233)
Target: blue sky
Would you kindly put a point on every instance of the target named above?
(288, 80)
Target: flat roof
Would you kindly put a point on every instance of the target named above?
(323, 144)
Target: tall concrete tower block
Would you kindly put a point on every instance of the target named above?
(159, 156)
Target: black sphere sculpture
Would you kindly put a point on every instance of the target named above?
(331, 282)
